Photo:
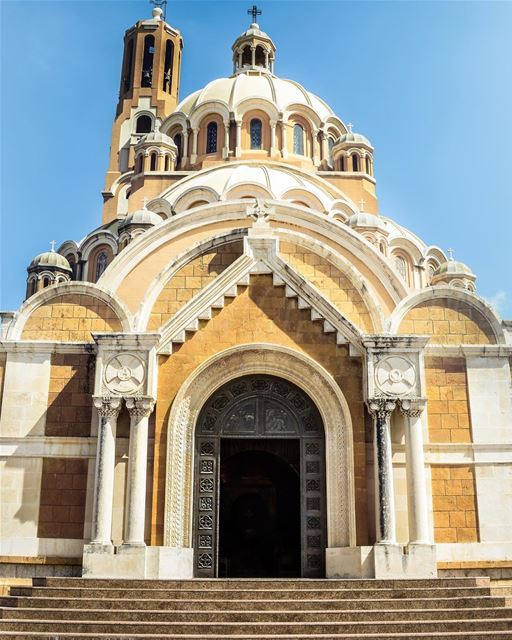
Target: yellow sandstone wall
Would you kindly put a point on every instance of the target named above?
(69, 397)
(447, 394)
(331, 282)
(70, 318)
(454, 501)
(189, 280)
(448, 322)
(260, 313)
(63, 495)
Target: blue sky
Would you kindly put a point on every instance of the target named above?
(428, 82)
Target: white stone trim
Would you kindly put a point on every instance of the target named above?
(49, 346)
(68, 288)
(469, 350)
(273, 360)
(435, 293)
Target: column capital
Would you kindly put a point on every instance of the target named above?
(108, 406)
(140, 406)
(412, 407)
(381, 407)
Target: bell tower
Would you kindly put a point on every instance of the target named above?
(149, 91)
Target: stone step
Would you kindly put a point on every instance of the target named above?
(206, 616)
(269, 629)
(457, 635)
(254, 605)
(264, 584)
(251, 594)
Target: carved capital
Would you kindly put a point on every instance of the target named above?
(140, 407)
(107, 406)
(412, 407)
(381, 407)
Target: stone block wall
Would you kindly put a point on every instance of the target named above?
(71, 318)
(447, 394)
(63, 496)
(69, 397)
(454, 503)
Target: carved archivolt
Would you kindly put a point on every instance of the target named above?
(260, 359)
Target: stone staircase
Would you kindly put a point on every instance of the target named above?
(72, 608)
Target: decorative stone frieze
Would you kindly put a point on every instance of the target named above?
(140, 407)
(126, 364)
(107, 406)
(412, 407)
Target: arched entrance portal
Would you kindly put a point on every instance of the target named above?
(259, 491)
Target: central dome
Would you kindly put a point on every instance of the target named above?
(247, 85)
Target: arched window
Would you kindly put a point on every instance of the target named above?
(211, 138)
(143, 125)
(147, 62)
(169, 55)
(260, 57)
(152, 164)
(298, 140)
(46, 282)
(355, 162)
(139, 164)
(128, 69)
(256, 134)
(178, 141)
(247, 57)
(167, 163)
(401, 267)
(330, 144)
(31, 287)
(101, 264)
(368, 166)
(342, 163)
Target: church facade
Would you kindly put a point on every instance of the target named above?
(246, 370)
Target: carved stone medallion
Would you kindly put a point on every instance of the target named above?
(124, 373)
(395, 375)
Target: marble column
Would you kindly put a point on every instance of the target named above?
(316, 148)
(419, 530)
(253, 56)
(284, 150)
(140, 409)
(193, 157)
(385, 527)
(273, 150)
(225, 153)
(238, 147)
(108, 409)
(184, 158)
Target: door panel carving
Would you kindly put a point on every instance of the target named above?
(261, 407)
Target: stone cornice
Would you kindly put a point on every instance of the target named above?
(45, 346)
(469, 350)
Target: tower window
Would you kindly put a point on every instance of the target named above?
(247, 57)
(144, 124)
(256, 134)
(46, 282)
(342, 163)
(167, 163)
(101, 264)
(152, 164)
(260, 57)
(169, 55)
(355, 162)
(211, 138)
(298, 140)
(401, 267)
(128, 69)
(147, 62)
(368, 166)
(178, 141)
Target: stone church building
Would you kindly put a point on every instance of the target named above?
(246, 370)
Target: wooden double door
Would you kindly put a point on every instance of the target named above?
(259, 487)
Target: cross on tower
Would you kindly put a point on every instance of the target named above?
(450, 253)
(255, 12)
(350, 125)
(52, 245)
(361, 204)
(161, 4)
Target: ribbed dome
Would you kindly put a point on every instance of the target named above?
(51, 259)
(254, 30)
(353, 138)
(157, 138)
(143, 217)
(234, 90)
(453, 267)
(364, 219)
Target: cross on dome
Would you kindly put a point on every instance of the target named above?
(52, 246)
(450, 254)
(160, 7)
(255, 12)
(145, 202)
(350, 126)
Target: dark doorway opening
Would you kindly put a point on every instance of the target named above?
(260, 509)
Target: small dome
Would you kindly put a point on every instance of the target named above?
(157, 137)
(353, 138)
(143, 217)
(51, 259)
(453, 267)
(364, 219)
(254, 30)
